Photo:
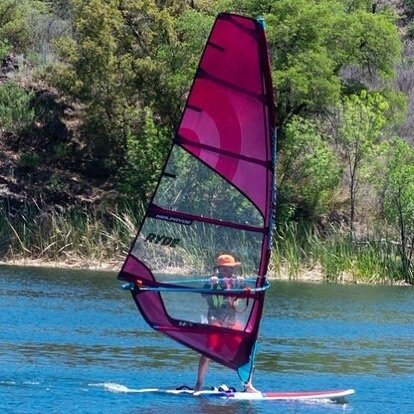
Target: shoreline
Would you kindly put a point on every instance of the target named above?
(313, 275)
(68, 264)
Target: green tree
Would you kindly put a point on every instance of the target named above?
(124, 58)
(360, 121)
(312, 42)
(309, 168)
(144, 158)
(61, 8)
(177, 61)
(96, 73)
(393, 174)
(111, 67)
(15, 22)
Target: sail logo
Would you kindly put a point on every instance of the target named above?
(162, 240)
(173, 219)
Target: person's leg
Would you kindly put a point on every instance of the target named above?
(202, 369)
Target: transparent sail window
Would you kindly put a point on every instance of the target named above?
(191, 250)
(191, 187)
(233, 312)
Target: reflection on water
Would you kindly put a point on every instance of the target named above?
(64, 331)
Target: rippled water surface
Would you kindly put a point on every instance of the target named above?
(72, 341)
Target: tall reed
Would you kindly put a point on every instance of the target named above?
(373, 259)
(74, 235)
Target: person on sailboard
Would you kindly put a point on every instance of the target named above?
(221, 309)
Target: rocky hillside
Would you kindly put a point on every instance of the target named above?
(47, 165)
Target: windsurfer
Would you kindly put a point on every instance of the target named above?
(221, 309)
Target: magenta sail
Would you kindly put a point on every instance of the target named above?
(215, 196)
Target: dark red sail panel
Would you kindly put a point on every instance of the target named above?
(229, 108)
(214, 196)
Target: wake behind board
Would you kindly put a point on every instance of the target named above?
(325, 395)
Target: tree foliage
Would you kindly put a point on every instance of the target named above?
(144, 155)
(312, 42)
(393, 174)
(4, 49)
(125, 68)
(360, 119)
(130, 63)
(15, 22)
(124, 57)
(97, 73)
(61, 8)
(309, 168)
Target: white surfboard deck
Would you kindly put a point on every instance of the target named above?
(332, 395)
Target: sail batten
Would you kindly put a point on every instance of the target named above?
(235, 155)
(187, 219)
(215, 195)
(203, 74)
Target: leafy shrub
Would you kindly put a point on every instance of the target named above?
(29, 160)
(310, 170)
(145, 156)
(56, 183)
(4, 49)
(16, 113)
(61, 150)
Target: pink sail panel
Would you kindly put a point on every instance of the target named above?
(227, 117)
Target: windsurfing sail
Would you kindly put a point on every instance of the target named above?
(215, 195)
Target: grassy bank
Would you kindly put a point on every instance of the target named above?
(70, 238)
(97, 240)
(303, 252)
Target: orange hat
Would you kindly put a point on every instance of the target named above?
(226, 260)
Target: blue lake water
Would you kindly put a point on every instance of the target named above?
(73, 341)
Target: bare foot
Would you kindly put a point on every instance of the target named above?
(249, 388)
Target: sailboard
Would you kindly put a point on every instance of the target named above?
(215, 195)
(333, 395)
